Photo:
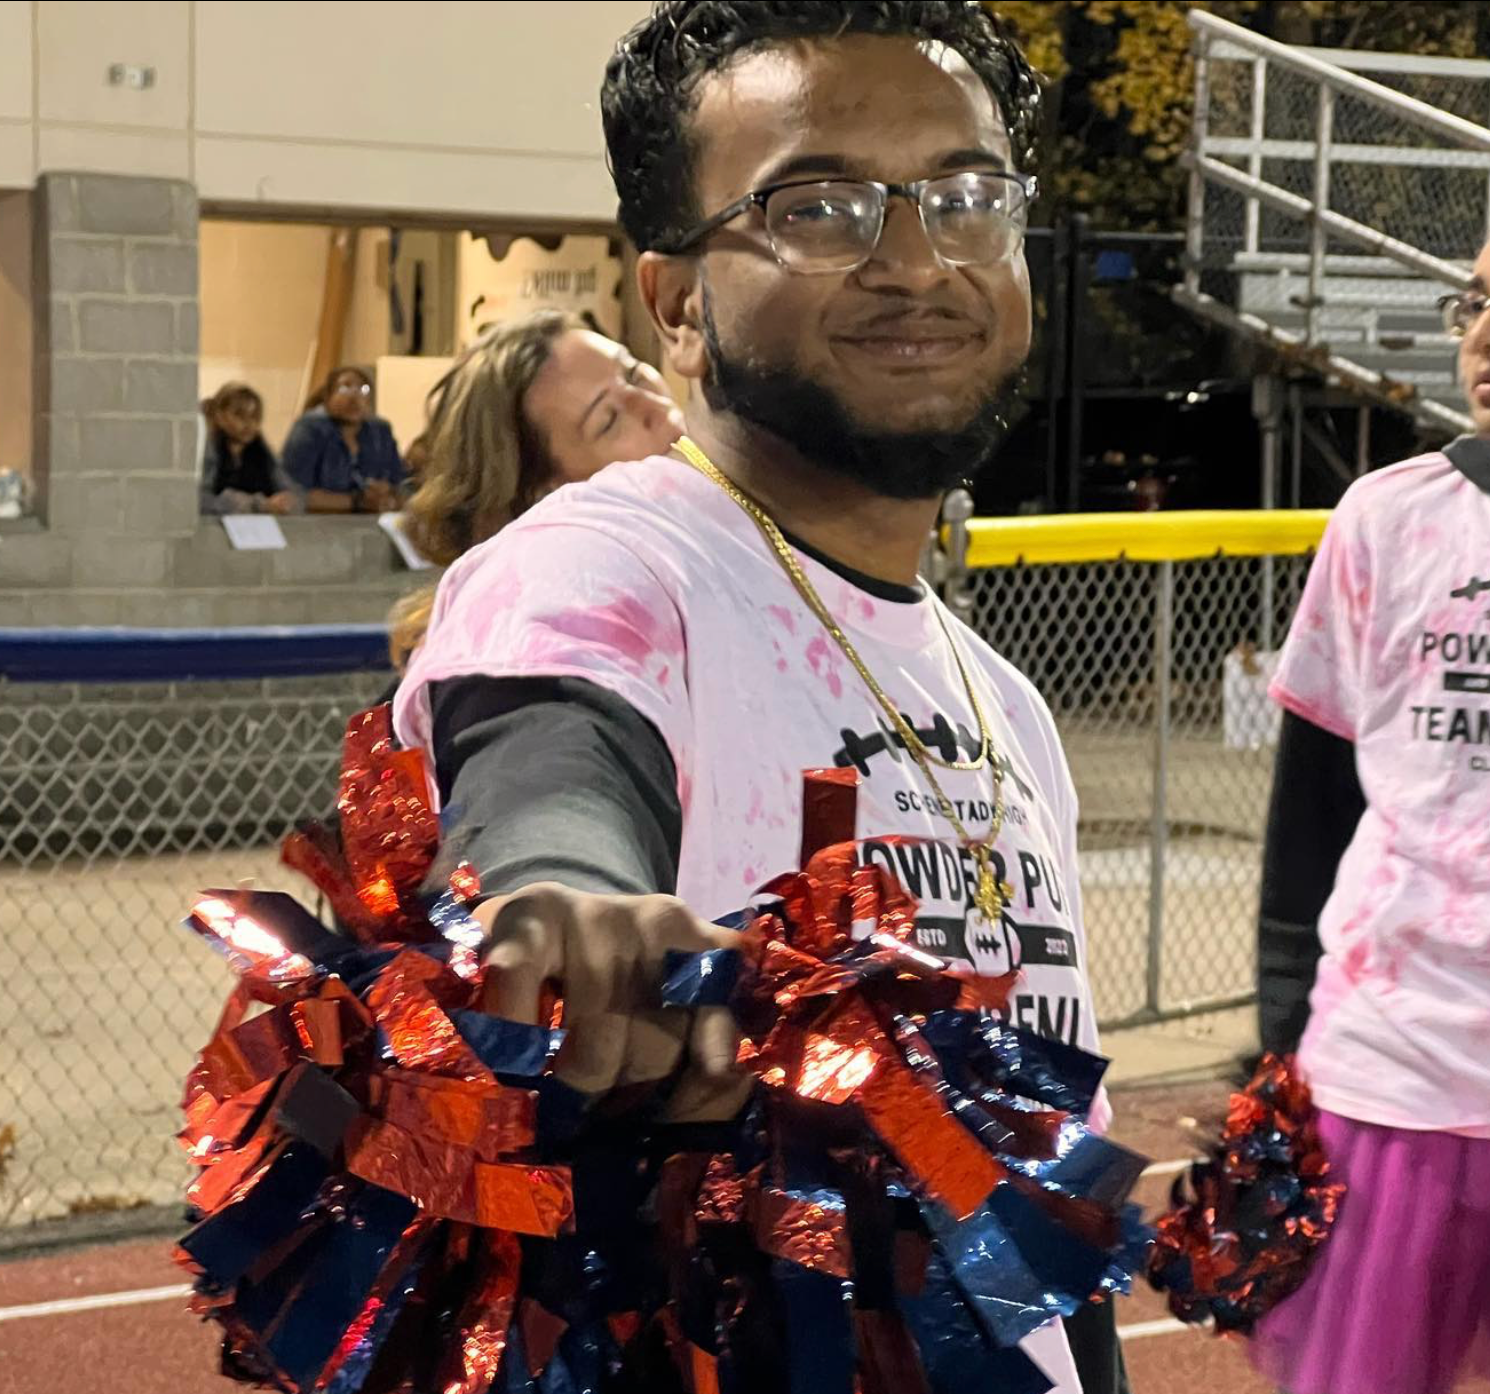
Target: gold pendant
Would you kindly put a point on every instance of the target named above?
(992, 896)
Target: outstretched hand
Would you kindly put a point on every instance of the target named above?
(608, 955)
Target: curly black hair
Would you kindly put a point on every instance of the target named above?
(651, 79)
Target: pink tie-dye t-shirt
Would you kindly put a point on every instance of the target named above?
(651, 582)
(1391, 650)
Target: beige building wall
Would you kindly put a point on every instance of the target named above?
(84, 122)
(17, 128)
(444, 108)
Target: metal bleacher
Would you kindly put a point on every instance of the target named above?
(1334, 196)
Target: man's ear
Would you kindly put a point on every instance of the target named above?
(672, 290)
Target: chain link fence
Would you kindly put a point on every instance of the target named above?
(118, 804)
(1156, 673)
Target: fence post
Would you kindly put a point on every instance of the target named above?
(1077, 336)
(1295, 445)
(1195, 223)
(1258, 132)
(1267, 407)
(1319, 239)
(1058, 289)
(1159, 831)
(956, 511)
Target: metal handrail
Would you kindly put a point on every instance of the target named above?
(1304, 209)
(1429, 118)
(1416, 155)
(1366, 60)
(1207, 160)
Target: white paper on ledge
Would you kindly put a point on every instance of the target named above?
(253, 532)
(393, 525)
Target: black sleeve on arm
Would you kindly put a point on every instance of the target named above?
(556, 779)
(1312, 816)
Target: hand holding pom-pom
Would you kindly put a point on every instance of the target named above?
(608, 955)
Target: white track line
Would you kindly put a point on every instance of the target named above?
(67, 1305)
(1165, 1326)
(138, 1296)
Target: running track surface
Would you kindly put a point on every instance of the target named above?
(113, 1316)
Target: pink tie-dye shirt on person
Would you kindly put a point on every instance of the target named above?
(651, 582)
(1390, 650)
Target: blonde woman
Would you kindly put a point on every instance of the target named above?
(535, 403)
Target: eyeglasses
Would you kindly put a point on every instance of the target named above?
(1461, 309)
(974, 218)
(351, 389)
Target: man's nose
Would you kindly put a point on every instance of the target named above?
(904, 256)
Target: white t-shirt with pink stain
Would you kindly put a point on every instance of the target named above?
(650, 581)
(1390, 649)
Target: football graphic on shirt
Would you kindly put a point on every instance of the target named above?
(993, 949)
(1470, 590)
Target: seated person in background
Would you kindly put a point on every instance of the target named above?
(534, 403)
(239, 471)
(340, 455)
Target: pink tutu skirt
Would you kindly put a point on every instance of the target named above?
(1398, 1301)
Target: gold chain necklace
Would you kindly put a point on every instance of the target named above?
(991, 895)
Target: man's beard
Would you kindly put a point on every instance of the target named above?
(807, 416)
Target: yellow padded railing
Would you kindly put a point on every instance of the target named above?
(1178, 536)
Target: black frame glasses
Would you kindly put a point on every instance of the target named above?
(1019, 190)
(1461, 308)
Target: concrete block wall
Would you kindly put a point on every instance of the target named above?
(120, 539)
(116, 279)
(340, 570)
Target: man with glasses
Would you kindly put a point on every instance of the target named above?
(620, 693)
(1374, 934)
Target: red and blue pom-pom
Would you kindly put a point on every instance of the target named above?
(1246, 1223)
(395, 1193)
